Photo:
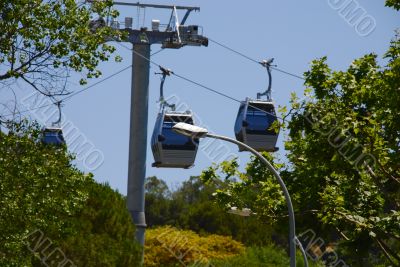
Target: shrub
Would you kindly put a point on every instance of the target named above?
(270, 256)
(168, 246)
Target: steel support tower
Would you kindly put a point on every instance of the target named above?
(175, 35)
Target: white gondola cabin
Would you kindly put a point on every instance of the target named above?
(53, 136)
(253, 125)
(171, 149)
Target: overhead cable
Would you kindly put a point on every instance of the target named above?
(73, 94)
(253, 60)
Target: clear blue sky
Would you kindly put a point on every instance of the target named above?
(293, 32)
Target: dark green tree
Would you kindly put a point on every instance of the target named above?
(39, 190)
(158, 200)
(103, 231)
(44, 197)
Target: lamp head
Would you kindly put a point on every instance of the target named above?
(245, 212)
(190, 130)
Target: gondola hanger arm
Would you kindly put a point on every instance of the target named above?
(267, 63)
(58, 121)
(164, 72)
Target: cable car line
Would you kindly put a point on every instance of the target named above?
(253, 60)
(202, 85)
(252, 125)
(230, 49)
(288, 73)
(194, 82)
(27, 110)
(155, 53)
(86, 88)
(127, 67)
(205, 87)
(73, 94)
(130, 49)
(234, 51)
(96, 83)
(180, 76)
(175, 74)
(154, 63)
(139, 54)
(219, 93)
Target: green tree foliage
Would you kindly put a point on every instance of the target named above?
(344, 146)
(41, 192)
(343, 172)
(256, 189)
(393, 3)
(41, 41)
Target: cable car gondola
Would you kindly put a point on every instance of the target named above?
(253, 123)
(254, 120)
(170, 149)
(54, 135)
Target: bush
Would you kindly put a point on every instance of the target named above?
(257, 256)
(168, 246)
(270, 256)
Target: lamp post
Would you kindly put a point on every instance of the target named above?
(199, 132)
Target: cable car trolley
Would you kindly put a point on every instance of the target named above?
(54, 135)
(255, 118)
(171, 149)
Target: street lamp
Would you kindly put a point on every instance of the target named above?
(199, 132)
(245, 212)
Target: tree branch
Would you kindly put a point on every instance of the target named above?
(388, 250)
(387, 173)
(387, 255)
